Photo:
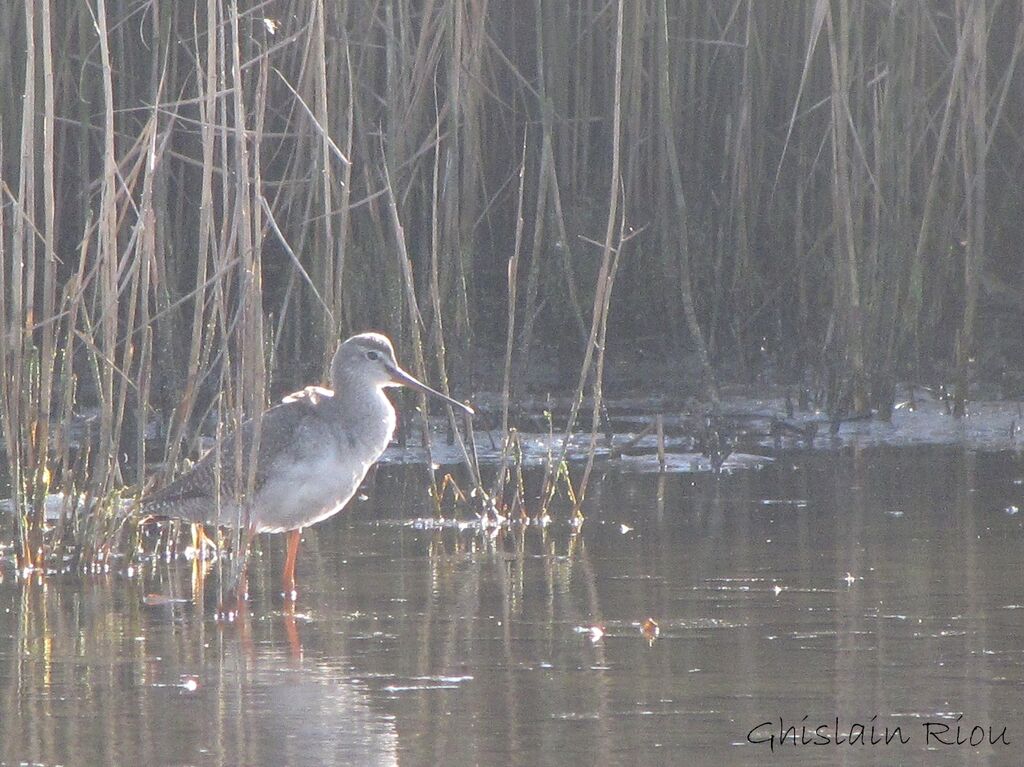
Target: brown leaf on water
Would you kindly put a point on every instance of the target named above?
(650, 630)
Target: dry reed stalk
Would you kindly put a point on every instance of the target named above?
(612, 248)
(606, 276)
(249, 384)
(470, 458)
(847, 286)
(510, 333)
(48, 331)
(974, 148)
(666, 118)
(415, 322)
(540, 210)
(20, 412)
(105, 295)
(323, 121)
(206, 84)
(345, 199)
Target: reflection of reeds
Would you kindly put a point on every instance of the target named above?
(194, 211)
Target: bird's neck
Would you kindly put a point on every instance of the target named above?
(365, 410)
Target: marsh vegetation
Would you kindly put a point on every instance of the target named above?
(199, 198)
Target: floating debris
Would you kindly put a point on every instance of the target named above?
(418, 683)
(594, 633)
(797, 503)
(685, 463)
(649, 628)
(160, 600)
(55, 504)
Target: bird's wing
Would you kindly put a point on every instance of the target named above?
(311, 394)
(279, 427)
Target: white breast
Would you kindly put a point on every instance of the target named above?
(328, 474)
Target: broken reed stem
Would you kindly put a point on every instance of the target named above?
(598, 382)
(512, 278)
(510, 331)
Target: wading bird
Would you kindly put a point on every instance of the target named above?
(314, 450)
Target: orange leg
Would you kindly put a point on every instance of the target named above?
(292, 553)
(291, 631)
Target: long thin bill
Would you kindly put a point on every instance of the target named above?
(399, 376)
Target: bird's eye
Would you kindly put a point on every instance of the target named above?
(373, 356)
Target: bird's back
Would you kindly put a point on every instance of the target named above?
(310, 460)
(222, 474)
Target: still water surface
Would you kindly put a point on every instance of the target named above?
(881, 582)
